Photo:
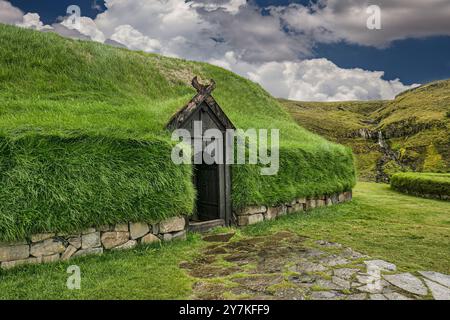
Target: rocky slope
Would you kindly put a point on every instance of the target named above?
(409, 133)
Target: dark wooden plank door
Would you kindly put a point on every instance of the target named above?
(207, 183)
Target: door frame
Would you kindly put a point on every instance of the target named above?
(204, 101)
(224, 170)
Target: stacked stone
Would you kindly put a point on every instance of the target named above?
(50, 247)
(255, 214)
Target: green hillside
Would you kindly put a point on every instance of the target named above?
(82, 138)
(414, 129)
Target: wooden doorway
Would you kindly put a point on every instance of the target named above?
(207, 182)
(212, 181)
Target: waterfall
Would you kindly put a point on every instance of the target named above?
(381, 141)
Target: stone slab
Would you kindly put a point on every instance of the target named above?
(381, 264)
(251, 210)
(90, 240)
(180, 235)
(341, 282)
(46, 248)
(51, 258)
(440, 278)
(345, 273)
(407, 282)
(150, 238)
(41, 237)
(248, 220)
(138, 230)
(172, 225)
(75, 241)
(438, 291)
(70, 251)
(10, 253)
(113, 239)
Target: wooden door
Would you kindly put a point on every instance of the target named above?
(208, 191)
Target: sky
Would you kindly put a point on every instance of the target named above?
(318, 50)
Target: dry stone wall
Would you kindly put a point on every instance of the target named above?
(255, 214)
(51, 247)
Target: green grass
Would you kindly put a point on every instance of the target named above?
(332, 119)
(61, 184)
(68, 108)
(427, 104)
(415, 123)
(423, 184)
(412, 232)
(149, 272)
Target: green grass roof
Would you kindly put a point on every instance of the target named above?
(83, 139)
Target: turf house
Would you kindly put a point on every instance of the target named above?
(85, 152)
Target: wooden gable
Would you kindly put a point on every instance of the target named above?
(202, 102)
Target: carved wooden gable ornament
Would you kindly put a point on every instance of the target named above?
(203, 99)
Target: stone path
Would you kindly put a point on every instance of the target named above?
(288, 266)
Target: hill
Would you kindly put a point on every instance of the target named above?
(409, 133)
(83, 140)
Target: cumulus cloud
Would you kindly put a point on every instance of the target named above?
(135, 40)
(315, 80)
(85, 26)
(203, 29)
(177, 27)
(33, 21)
(9, 14)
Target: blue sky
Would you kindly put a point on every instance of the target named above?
(415, 59)
(50, 10)
(411, 60)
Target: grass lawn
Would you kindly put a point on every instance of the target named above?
(412, 232)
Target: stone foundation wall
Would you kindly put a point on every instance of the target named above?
(255, 214)
(50, 247)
